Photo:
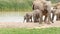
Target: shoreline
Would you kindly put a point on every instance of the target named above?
(28, 25)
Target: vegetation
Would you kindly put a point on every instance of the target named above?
(15, 4)
(55, 1)
(8, 5)
(29, 31)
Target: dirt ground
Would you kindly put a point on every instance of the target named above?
(28, 25)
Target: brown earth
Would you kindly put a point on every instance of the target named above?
(28, 25)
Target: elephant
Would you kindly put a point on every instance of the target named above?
(45, 9)
(37, 5)
(56, 12)
(28, 17)
(57, 5)
(37, 15)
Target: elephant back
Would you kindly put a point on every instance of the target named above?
(57, 5)
(57, 11)
(38, 5)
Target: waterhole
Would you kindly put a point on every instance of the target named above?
(13, 16)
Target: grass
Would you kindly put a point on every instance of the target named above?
(29, 31)
(18, 5)
(15, 5)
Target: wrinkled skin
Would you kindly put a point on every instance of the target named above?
(45, 9)
(57, 13)
(28, 17)
(37, 15)
(58, 17)
(37, 5)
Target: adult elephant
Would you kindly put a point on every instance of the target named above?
(45, 9)
(56, 12)
(37, 5)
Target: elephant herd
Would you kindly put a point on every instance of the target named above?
(43, 8)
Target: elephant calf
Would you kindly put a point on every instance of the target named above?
(28, 17)
(37, 16)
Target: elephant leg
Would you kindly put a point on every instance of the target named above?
(24, 19)
(45, 18)
(27, 20)
(49, 18)
(35, 20)
(41, 20)
(31, 19)
(57, 18)
(52, 17)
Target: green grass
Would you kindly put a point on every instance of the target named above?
(18, 5)
(15, 5)
(29, 31)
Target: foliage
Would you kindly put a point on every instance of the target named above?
(19, 5)
(15, 4)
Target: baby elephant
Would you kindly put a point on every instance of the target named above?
(37, 16)
(28, 17)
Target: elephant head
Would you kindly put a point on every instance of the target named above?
(28, 17)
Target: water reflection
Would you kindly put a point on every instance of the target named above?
(11, 17)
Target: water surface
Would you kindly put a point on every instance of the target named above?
(13, 16)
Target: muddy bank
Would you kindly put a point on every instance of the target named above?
(28, 25)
